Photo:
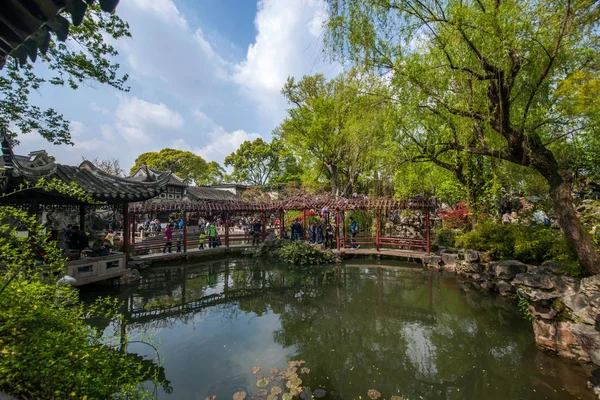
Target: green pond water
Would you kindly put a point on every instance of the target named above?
(393, 328)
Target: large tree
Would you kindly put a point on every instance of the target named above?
(335, 129)
(185, 164)
(256, 162)
(492, 68)
(85, 58)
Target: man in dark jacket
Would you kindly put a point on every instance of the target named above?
(79, 239)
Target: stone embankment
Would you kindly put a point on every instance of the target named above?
(565, 311)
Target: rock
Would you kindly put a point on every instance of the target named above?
(590, 286)
(533, 280)
(594, 382)
(506, 289)
(506, 269)
(588, 338)
(471, 256)
(449, 259)
(488, 286)
(132, 276)
(536, 295)
(579, 309)
(138, 264)
(559, 338)
(66, 280)
(475, 267)
(542, 311)
(432, 261)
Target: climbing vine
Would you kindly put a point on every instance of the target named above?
(71, 189)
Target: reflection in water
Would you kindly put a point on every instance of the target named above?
(396, 329)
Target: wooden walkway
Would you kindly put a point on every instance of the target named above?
(245, 248)
(194, 253)
(347, 253)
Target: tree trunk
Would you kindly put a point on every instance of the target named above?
(577, 235)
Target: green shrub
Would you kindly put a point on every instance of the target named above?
(445, 237)
(47, 348)
(519, 242)
(302, 253)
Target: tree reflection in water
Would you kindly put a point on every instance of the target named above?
(399, 330)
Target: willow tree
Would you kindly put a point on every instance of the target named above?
(335, 128)
(492, 68)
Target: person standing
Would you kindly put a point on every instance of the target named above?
(256, 225)
(168, 238)
(312, 232)
(296, 230)
(212, 235)
(353, 233)
(329, 236)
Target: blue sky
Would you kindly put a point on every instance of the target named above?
(205, 76)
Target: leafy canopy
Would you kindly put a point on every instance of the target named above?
(185, 164)
(256, 162)
(47, 348)
(336, 129)
(86, 57)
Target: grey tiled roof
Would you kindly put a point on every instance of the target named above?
(25, 26)
(202, 193)
(98, 184)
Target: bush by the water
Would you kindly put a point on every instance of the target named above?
(525, 243)
(48, 350)
(303, 253)
(446, 237)
(299, 253)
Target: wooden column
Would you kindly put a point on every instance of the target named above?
(126, 227)
(263, 227)
(281, 223)
(304, 227)
(428, 229)
(132, 230)
(377, 229)
(344, 229)
(82, 217)
(34, 208)
(226, 230)
(337, 230)
(185, 231)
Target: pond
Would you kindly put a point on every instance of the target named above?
(392, 328)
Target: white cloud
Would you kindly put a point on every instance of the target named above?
(219, 145)
(288, 43)
(100, 109)
(134, 112)
(184, 92)
(77, 129)
(165, 54)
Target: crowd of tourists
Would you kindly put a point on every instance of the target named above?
(320, 232)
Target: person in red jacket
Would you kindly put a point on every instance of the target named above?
(168, 238)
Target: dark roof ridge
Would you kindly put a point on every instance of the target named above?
(161, 179)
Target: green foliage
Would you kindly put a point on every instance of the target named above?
(514, 241)
(255, 163)
(337, 132)
(510, 80)
(446, 237)
(302, 253)
(90, 60)
(185, 164)
(524, 309)
(50, 352)
(71, 189)
(296, 253)
(47, 348)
